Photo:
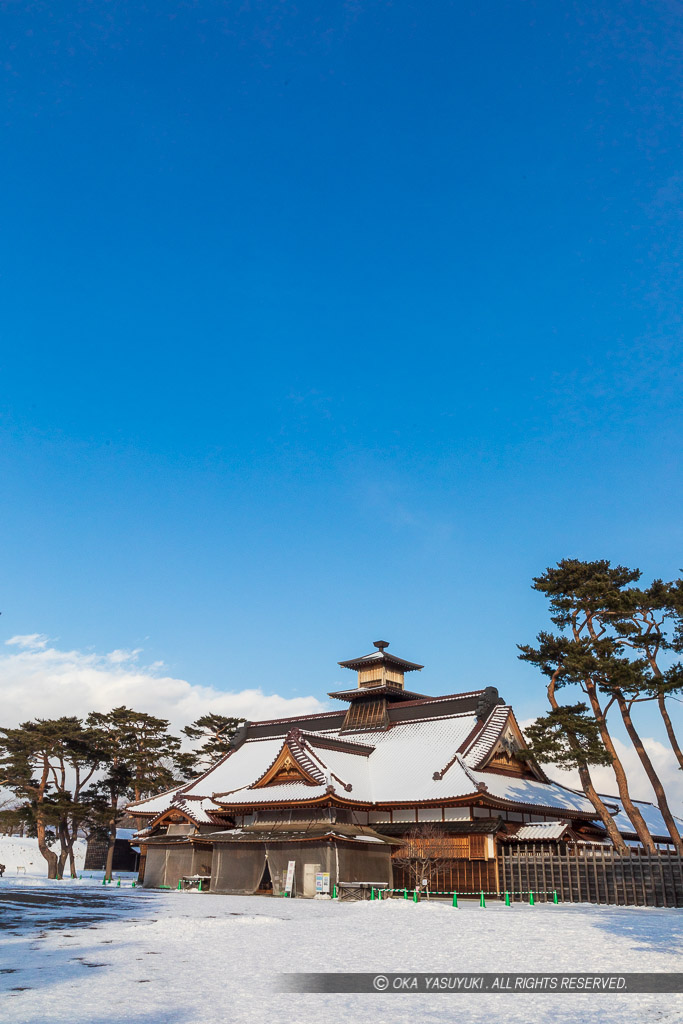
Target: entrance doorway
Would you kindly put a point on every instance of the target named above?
(265, 886)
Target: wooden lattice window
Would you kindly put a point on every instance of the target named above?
(450, 847)
(366, 714)
(443, 847)
(477, 847)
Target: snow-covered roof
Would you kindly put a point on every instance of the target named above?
(154, 804)
(651, 815)
(383, 657)
(425, 759)
(196, 809)
(542, 831)
(533, 793)
(483, 742)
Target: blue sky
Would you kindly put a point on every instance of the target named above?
(325, 323)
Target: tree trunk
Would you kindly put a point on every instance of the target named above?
(72, 862)
(604, 815)
(112, 843)
(631, 810)
(587, 784)
(661, 701)
(72, 837)
(64, 848)
(652, 775)
(45, 850)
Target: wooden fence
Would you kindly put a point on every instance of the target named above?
(590, 874)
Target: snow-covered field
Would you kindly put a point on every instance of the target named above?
(23, 856)
(80, 951)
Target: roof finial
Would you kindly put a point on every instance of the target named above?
(380, 644)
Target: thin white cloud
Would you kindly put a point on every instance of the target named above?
(29, 642)
(37, 680)
(121, 657)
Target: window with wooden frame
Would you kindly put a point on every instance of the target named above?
(477, 848)
(445, 847)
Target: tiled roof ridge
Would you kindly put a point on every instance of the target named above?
(341, 712)
(474, 732)
(334, 734)
(229, 792)
(421, 699)
(299, 718)
(309, 756)
(478, 785)
(297, 745)
(489, 735)
(441, 697)
(335, 743)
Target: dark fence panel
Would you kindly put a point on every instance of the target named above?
(590, 874)
(125, 857)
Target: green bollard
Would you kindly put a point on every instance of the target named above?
(104, 881)
(455, 899)
(118, 884)
(415, 899)
(372, 894)
(405, 894)
(555, 899)
(334, 892)
(133, 885)
(179, 884)
(507, 899)
(199, 887)
(482, 901)
(531, 899)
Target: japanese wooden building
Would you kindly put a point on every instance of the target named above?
(348, 792)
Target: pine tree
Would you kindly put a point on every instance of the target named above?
(593, 604)
(216, 731)
(139, 757)
(47, 764)
(641, 625)
(569, 738)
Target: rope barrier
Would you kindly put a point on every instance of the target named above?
(450, 892)
(380, 893)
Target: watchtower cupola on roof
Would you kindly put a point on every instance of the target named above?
(380, 683)
(380, 668)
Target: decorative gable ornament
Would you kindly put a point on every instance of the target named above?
(288, 767)
(505, 755)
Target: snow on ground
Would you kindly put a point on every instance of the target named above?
(77, 950)
(24, 853)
